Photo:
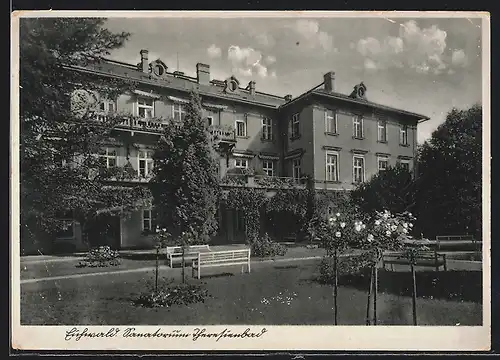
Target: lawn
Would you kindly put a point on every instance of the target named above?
(272, 294)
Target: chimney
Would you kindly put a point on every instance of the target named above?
(203, 73)
(144, 61)
(329, 81)
(288, 98)
(251, 87)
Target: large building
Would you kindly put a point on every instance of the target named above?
(338, 140)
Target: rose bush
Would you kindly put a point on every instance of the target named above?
(264, 246)
(101, 256)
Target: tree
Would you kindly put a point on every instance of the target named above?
(450, 176)
(59, 134)
(185, 185)
(392, 189)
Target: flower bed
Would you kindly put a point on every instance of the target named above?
(180, 294)
(101, 256)
(265, 247)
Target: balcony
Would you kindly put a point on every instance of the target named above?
(219, 133)
(262, 181)
(222, 133)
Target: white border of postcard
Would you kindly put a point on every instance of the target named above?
(304, 338)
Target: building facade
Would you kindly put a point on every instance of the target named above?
(338, 140)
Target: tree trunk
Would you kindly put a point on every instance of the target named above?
(375, 293)
(335, 284)
(414, 295)
(370, 288)
(85, 233)
(156, 270)
(183, 265)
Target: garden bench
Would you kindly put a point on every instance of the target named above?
(175, 252)
(455, 240)
(425, 258)
(221, 258)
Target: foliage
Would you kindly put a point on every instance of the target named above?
(385, 232)
(185, 184)
(59, 137)
(340, 231)
(161, 238)
(101, 256)
(289, 200)
(347, 265)
(250, 201)
(392, 189)
(450, 176)
(264, 246)
(179, 294)
(236, 176)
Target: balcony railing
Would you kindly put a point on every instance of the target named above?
(222, 133)
(157, 125)
(262, 181)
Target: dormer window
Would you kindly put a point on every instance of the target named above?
(359, 91)
(232, 85)
(158, 68)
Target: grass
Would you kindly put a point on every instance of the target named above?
(284, 294)
(61, 268)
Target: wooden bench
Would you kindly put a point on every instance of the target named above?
(444, 241)
(175, 252)
(221, 258)
(424, 258)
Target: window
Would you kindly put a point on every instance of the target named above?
(267, 129)
(241, 128)
(241, 163)
(107, 106)
(108, 157)
(357, 127)
(145, 108)
(295, 125)
(383, 163)
(268, 167)
(178, 111)
(296, 169)
(405, 164)
(145, 159)
(382, 131)
(147, 217)
(332, 166)
(210, 120)
(403, 135)
(331, 121)
(358, 169)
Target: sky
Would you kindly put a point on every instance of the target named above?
(424, 65)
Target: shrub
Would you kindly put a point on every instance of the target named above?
(266, 247)
(101, 256)
(347, 265)
(179, 294)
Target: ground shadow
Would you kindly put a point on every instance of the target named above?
(450, 285)
(143, 256)
(286, 267)
(215, 276)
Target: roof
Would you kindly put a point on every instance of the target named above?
(342, 97)
(179, 81)
(317, 91)
(111, 68)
